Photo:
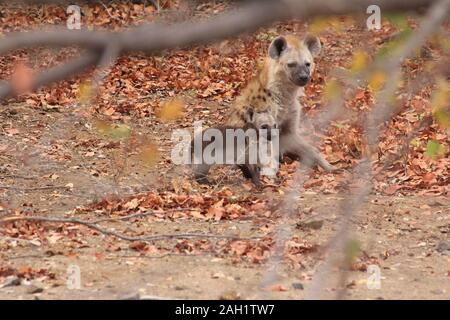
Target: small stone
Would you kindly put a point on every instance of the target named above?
(32, 289)
(437, 291)
(297, 286)
(132, 296)
(443, 246)
(422, 244)
(218, 275)
(10, 282)
(230, 295)
(314, 224)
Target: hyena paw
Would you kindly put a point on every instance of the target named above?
(327, 166)
(203, 180)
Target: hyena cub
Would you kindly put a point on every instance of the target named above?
(241, 146)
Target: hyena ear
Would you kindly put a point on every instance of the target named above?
(313, 44)
(249, 115)
(277, 47)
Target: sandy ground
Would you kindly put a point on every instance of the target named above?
(406, 236)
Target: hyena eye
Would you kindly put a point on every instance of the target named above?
(308, 64)
(292, 64)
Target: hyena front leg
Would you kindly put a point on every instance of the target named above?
(251, 172)
(201, 172)
(293, 146)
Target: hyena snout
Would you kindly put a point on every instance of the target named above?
(300, 74)
(270, 130)
(264, 123)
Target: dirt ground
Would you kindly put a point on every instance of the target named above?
(54, 163)
(406, 236)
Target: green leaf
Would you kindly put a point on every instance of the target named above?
(415, 142)
(120, 131)
(435, 148)
(332, 90)
(445, 44)
(399, 20)
(393, 45)
(352, 251)
(432, 148)
(110, 130)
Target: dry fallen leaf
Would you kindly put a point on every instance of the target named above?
(12, 131)
(149, 154)
(277, 287)
(171, 110)
(22, 78)
(138, 245)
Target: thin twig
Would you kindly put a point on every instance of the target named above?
(15, 176)
(155, 38)
(107, 232)
(35, 188)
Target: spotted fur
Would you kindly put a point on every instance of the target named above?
(287, 68)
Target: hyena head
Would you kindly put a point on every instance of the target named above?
(262, 120)
(294, 57)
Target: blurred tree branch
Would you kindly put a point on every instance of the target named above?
(384, 110)
(154, 38)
